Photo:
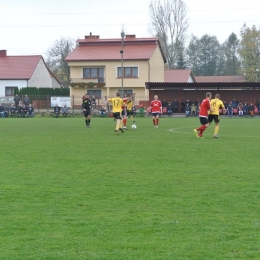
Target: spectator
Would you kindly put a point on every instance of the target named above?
(20, 110)
(193, 109)
(245, 108)
(175, 106)
(30, 111)
(240, 109)
(182, 106)
(251, 109)
(187, 109)
(65, 111)
(198, 107)
(164, 103)
(26, 100)
(169, 108)
(56, 111)
(102, 111)
(17, 100)
(12, 110)
(234, 103)
(2, 109)
(230, 109)
(6, 112)
(225, 104)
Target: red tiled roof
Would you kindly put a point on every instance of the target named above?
(131, 52)
(18, 67)
(220, 78)
(109, 49)
(178, 75)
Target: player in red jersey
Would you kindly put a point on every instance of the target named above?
(203, 115)
(124, 114)
(156, 109)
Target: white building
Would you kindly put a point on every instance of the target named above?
(24, 71)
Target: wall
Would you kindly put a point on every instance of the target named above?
(41, 77)
(11, 83)
(156, 67)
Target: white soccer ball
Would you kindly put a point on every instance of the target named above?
(134, 126)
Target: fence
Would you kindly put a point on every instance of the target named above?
(47, 102)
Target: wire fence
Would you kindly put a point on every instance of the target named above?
(47, 102)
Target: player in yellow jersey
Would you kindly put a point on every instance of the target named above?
(129, 108)
(215, 105)
(117, 104)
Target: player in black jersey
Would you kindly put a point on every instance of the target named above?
(86, 105)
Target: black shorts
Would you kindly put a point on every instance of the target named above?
(155, 114)
(129, 112)
(213, 117)
(117, 115)
(204, 120)
(87, 112)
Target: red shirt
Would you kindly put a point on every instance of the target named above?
(156, 106)
(125, 101)
(204, 108)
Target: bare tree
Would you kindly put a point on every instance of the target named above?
(56, 59)
(169, 23)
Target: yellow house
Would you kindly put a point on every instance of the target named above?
(96, 67)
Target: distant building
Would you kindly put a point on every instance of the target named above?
(96, 67)
(177, 75)
(24, 71)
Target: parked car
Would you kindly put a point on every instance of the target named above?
(6, 101)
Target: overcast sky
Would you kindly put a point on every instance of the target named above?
(30, 27)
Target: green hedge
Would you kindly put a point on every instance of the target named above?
(42, 91)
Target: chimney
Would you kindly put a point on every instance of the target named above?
(90, 36)
(3, 53)
(130, 36)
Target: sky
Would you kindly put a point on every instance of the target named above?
(30, 27)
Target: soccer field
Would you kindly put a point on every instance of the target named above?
(68, 192)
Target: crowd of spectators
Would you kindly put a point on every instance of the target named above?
(26, 109)
(191, 107)
(240, 108)
(19, 110)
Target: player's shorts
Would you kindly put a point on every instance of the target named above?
(213, 117)
(129, 112)
(204, 120)
(155, 114)
(87, 112)
(117, 115)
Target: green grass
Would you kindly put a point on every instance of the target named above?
(67, 192)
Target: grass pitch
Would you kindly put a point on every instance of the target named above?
(67, 192)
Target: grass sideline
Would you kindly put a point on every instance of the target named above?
(164, 194)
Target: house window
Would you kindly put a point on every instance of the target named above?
(128, 72)
(96, 93)
(94, 73)
(9, 91)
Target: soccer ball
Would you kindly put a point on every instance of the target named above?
(134, 127)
